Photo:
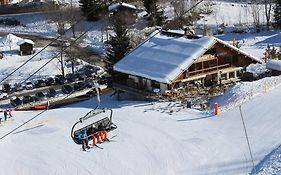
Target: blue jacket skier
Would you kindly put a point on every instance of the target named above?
(84, 139)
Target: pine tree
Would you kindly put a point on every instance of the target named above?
(159, 16)
(90, 9)
(118, 45)
(277, 13)
(150, 6)
(84, 6)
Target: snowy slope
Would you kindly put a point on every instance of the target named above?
(149, 140)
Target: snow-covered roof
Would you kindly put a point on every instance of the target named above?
(274, 65)
(9, 39)
(115, 6)
(163, 58)
(25, 41)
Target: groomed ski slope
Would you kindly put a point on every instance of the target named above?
(149, 140)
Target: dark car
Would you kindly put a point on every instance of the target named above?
(67, 89)
(59, 79)
(78, 86)
(15, 101)
(50, 81)
(6, 88)
(71, 77)
(17, 87)
(34, 99)
(39, 94)
(40, 83)
(51, 93)
(81, 76)
(27, 99)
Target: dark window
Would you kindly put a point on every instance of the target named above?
(155, 84)
(198, 66)
(231, 75)
(234, 58)
(212, 63)
(223, 77)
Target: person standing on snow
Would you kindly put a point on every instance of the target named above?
(5, 115)
(10, 113)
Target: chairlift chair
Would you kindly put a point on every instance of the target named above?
(96, 126)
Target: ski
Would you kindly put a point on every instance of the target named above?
(95, 146)
(113, 137)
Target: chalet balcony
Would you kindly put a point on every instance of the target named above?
(206, 70)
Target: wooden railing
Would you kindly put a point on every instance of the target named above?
(208, 69)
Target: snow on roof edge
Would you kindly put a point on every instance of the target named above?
(25, 41)
(117, 5)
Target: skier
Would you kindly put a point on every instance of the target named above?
(10, 113)
(5, 115)
(84, 138)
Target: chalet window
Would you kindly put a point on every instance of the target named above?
(231, 75)
(198, 66)
(212, 63)
(239, 73)
(155, 84)
(223, 77)
(234, 58)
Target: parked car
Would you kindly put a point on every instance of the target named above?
(39, 95)
(71, 77)
(3, 95)
(29, 85)
(59, 79)
(67, 89)
(40, 83)
(81, 76)
(34, 98)
(51, 93)
(15, 101)
(27, 99)
(17, 87)
(6, 87)
(50, 81)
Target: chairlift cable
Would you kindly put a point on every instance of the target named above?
(37, 115)
(10, 74)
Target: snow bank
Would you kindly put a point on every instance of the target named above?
(244, 92)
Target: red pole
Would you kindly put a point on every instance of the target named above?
(216, 108)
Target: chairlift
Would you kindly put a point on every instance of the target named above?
(97, 123)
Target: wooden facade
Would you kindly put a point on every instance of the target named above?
(26, 49)
(4, 2)
(129, 15)
(218, 65)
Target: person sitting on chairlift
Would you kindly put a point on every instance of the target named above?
(84, 139)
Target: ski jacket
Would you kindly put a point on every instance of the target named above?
(82, 135)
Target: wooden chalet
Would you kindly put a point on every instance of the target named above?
(4, 2)
(26, 47)
(125, 11)
(167, 61)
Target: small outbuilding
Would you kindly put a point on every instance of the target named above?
(125, 11)
(274, 66)
(26, 47)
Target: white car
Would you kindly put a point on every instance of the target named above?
(29, 85)
(3, 96)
